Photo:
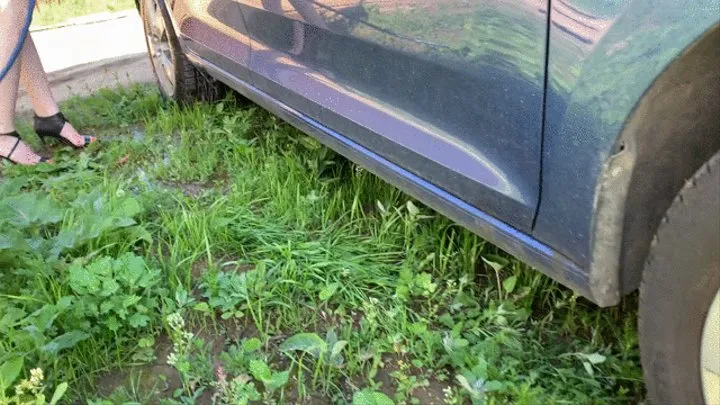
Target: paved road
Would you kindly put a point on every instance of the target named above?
(86, 56)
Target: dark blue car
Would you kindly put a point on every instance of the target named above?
(582, 136)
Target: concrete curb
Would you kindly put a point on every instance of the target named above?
(108, 73)
(87, 20)
(89, 69)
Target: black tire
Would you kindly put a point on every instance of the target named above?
(680, 280)
(182, 82)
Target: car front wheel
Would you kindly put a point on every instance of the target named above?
(680, 297)
(177, 78)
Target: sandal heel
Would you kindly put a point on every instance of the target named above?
(52, 126)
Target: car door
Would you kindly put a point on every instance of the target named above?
(215, 31)
(450, 90)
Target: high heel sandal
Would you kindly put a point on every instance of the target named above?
(52, 126)
(15, 135)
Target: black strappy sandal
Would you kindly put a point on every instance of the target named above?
(52, 126)
(12, 151)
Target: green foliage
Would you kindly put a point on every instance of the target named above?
(370, 397)
(28, 391)
(245, 262)
(9, 372)
(227, 292)
(305, 342)
(117, 293)
(271, 380)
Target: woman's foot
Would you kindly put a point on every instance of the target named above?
(56, 126)
(17, 151)
(71, 134)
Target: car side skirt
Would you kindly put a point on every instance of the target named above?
(519, 244)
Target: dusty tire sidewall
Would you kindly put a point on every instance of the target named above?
(680, 281)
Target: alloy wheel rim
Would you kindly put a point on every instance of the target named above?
(710, 353)
(160, 50)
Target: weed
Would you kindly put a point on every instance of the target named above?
(27, 391)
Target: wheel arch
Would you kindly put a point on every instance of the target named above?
(672, 131)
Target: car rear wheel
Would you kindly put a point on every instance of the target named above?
(680, 297)
(177, 78)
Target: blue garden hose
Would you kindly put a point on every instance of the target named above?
(21, 41)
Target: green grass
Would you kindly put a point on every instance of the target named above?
(57, 12)
(214, 254)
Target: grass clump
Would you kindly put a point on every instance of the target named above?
(51, 12)
(214, 254)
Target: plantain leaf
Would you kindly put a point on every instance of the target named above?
(305, 342)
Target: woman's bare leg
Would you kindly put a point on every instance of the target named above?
(35, 82)
(12, 17)
(12, 14)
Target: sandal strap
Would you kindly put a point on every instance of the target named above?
(12, 151)
(15, 135)
(52, 124)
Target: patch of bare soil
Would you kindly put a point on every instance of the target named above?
(431, 394)
(157, 379)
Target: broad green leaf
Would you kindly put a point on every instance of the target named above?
(338, 348)
(112, 323)
(418, 328)
(130, 268)
(595, 358)
(9, 371)
(128, 208)
(251, 345)
(102, 267)
(131, 300)
(139, 233)
(11, 316)
(412, 209)
(481, 369)
(59, 392)
(370, 397)
(181, 296)
(30, 209)
(424, 281)
(328, 291)
(331, 337)
(496, 262)
(107, 306)
(65, 341)
(11, 240)
(64, 303)
(149, 278)
(278, 380)
(83, 281)
(109, 288)
(44, 317)
(306, 342)
(509, 284)
(492, 386)
(13, 185)
(260, 370)
(466, 384)
(138, 320)
(146, 342)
